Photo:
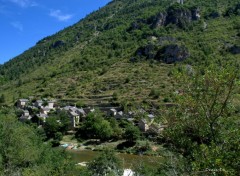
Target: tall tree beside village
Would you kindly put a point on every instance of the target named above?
(132, 133)
(95, 126)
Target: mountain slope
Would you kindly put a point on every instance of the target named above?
(122, 49)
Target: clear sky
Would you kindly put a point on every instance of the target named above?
(24, 22)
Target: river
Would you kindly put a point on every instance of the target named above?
(129, 160)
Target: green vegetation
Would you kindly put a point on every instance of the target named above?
(134, 54)
(93, 56)
(202, 132)
(205, 123)
(132, 133)
(24, 153)
(95, 126)
(106, 164)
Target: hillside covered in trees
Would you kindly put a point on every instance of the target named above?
(127, 48)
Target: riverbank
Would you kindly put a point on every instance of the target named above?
(139, 147)
(128, 160)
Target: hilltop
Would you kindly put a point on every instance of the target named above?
(125, 52)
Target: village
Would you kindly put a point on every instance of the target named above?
(76, 115)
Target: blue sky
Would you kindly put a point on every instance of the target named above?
(24, 22)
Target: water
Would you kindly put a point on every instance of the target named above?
(129, 160)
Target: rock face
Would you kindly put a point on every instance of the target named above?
(172, 53)
(147, 51)
(168, 54)
(175, 14)
(159, 20)
(58, 44)
(181, 16)
(178, 16)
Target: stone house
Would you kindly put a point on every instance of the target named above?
(151, 116)
(67, 108)
(82, 114)
(38, 103)
(119, 115)
(42, 116)
(75, 119)
(156, 128)
(25, 115)
(73, 109)
(112, 112)
(45, 110)
(51, 104)
(143, 125)
(22, 103)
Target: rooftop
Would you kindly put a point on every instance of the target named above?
(24, 100)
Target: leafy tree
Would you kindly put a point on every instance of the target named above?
(117, 131)
(22, 151)
(132, 133)
(95, 126)
(56, 124)
(57, 138)
(206, 99)
(104, 130)
(65, 121)
(51, 127)
(200, 126)
(41, 133)
(18, 112)
(80, 104)
(106, 164)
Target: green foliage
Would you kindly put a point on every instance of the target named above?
(51, 127)
(95, 126)
(98, 49)
(233, 10)
(92, 58)
(154, 93)
(171, 165)
(132, 133)
(64, 119)
(22, 151)
(106, 164)
(80, 104)
(115, 96)
(117, 131)
(18, 112)
(56, 125)
(199, 126)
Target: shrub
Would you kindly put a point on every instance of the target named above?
(154, 93)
